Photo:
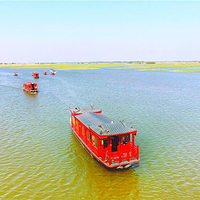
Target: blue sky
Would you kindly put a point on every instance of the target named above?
(83, 31)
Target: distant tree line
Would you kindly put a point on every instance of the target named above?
(150, 62)
(135, 62)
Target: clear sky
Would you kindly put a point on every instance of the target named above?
(99, 31)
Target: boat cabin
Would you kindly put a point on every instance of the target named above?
(35, 75)
(111, 143)
(30, 87)
(52, 71)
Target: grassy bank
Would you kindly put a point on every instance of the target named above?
(153, 69)
(186, 71)
(126, 65)
(164, 65)
(73, 66)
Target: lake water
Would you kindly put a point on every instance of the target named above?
(40, 158)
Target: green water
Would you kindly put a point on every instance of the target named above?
(40, 158)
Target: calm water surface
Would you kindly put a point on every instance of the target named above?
(41, 159)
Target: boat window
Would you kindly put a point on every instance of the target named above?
(94, 141)
(76, 124)
(88, 135)
(73, 120)
(83, 130)
(125, 139)
(115, 143)
(105, 143)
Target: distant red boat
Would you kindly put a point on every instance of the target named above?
(111, 143)
(30, 87)
(15, 74)
(53, 72)
(45, 73)
(35, 74)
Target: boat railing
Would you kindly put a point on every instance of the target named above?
(122, 155)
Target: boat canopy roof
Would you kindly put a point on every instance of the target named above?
(102, 125)
(28, 83)
(79, 110)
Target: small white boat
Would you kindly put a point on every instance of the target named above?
(53, 72)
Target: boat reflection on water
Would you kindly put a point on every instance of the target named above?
(30, 96)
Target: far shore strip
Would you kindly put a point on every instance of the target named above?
(160, 66)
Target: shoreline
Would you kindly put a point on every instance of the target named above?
(159, 66)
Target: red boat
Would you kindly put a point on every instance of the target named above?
(15, 74)
(53, 72)
(45, 73)
(35, 74)
(111, 143)
(30, 87)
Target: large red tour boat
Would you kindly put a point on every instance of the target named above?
(45, 73)
(35, 74)
(30, 87)
(15, 74)
(111, 143)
